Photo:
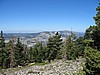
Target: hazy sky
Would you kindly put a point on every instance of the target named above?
(46, 15)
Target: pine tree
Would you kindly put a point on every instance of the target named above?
(25, 54)
(96, 31)
(50, 49)
(92, 65)
(31, 55)
(93, 32)
(71, 47)
(54, 47)
(92, 50)
(81, 45)
(6, 57)
(38, 53)
(2, 52)
(11, 53)
(19, 54)
(58, 43)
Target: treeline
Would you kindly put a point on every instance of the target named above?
(13, 54)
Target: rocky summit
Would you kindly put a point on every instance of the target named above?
(57, 67)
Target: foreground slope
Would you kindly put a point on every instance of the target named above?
(57, 67)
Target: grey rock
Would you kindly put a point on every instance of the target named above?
(57, 67)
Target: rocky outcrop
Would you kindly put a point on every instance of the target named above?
(57, 67)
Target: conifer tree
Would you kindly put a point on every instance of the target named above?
(2, 52)
(38, 53)
(11, 53)
(81, 45)
(54, 47)
(31, 55)
(6, 61)
(71, 47)
(93, 32)
(58, 45)
(19, 54)
(92, 65)
(92, 50)
(50, 49)
(25, 54)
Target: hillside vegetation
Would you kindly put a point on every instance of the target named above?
(14, 54)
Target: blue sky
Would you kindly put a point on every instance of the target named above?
(46, 15)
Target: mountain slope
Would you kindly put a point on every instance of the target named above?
(64, 33)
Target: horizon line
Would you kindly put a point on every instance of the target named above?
(38, 31)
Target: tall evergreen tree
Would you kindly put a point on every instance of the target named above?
(92, 50)
(81, 45)
(58, 45)
(25, 54)
(92, 65)
(50, 49)
(54, 47)
(11, 53)
(19, 54)
(93, 32)
(71, 47)
(31, 55)
(38, 53)
(2, 52)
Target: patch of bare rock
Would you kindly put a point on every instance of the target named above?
(57, 67)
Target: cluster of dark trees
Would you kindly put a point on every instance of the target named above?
(92, 48)
(13, 54)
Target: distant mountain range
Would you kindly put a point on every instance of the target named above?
(64, 33)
